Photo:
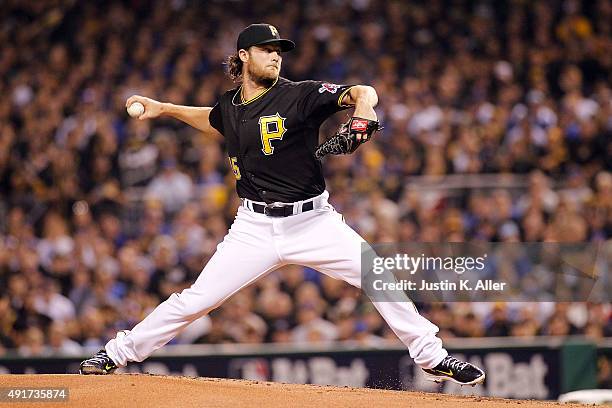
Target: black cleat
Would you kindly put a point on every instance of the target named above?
(100, 363)
(451, 369)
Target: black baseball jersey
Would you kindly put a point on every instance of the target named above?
(271, 138)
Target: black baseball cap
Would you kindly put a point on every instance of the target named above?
(259, 34)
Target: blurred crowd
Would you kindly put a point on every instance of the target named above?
(102, 217)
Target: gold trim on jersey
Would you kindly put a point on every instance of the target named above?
(342, 96)
(259, 95)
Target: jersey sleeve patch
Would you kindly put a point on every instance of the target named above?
(327, 87)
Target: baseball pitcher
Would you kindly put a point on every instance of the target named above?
(271, 125)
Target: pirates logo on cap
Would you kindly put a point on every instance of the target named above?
(274, 31)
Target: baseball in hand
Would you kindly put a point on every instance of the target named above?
(136, 109)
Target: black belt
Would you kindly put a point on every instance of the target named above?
(280, 210)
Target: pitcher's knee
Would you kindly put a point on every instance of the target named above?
(353, 280)
(194, 305)
(355, 273)
(350, 273)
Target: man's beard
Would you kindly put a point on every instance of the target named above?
(262, 78)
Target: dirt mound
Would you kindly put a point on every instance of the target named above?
(141, 390)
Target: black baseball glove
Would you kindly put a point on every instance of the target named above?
(345, 140)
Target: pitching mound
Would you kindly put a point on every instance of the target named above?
(138, 390)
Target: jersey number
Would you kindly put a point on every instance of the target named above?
(270, 128)
(234, 164)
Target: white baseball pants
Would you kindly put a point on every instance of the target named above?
(255, 245)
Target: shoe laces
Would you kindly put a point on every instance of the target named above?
(454, 364)
(100, 358)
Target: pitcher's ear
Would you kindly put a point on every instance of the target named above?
(243, 55)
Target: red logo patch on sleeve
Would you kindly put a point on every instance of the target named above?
(327, 87)
(359, 125)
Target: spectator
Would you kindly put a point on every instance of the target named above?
(59, 343)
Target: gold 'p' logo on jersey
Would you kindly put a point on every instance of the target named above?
(271, 128)
(274, 31)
